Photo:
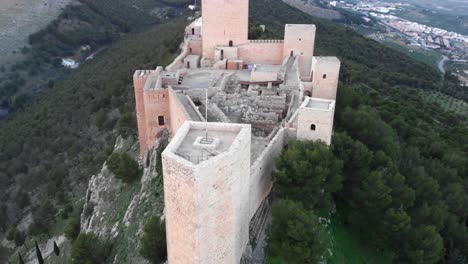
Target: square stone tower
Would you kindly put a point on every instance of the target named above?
(299, 40)
(325, 74)
(315, 120)
(206, 193)
(225, 23)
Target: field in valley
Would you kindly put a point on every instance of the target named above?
(19, 19)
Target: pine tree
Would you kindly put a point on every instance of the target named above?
(20, 259)
(56, 249)
(39, 254)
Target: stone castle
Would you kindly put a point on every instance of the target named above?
(230, 105)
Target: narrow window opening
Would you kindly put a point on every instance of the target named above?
(231, 43)
(190, 50)
(188, 64)
(324, 76)
(222, 54)
(193, 31)
(161, 120)
(313, 127)
(300, 39)
(260, 92)
(292, 53)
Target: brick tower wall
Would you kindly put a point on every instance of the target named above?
(207, 204)
(156, 105)
(224, 21)
(321, 119)
(139, 80)
(300, 40)
(325, 74)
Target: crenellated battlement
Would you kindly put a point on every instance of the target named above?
(266, 41)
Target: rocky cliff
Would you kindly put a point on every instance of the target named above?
(117, 212)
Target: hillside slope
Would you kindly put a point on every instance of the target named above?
(51, 148)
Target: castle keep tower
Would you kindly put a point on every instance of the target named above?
(225, 23)
(206, 193)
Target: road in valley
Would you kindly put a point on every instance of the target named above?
(442, 64)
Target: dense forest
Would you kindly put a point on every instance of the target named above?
(51, 147)
(81, 30)
(403, 184)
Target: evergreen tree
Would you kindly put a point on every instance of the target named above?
(308, 172)
(88, 249)
(424, 246)
(295, 235)
(40, 260)
(20, 259)
(56, 249)
(123, 166)
(153, 243)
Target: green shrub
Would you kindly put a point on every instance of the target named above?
(72, 230)
(153, 243)
(308, 172)
(123, 166)
(295, 235)
(88, 249)
(15, 235)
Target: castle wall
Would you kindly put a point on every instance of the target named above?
(260, 171)
(262, 52)
(325, 74)
(177, 113)
(180, 194)
(180, 58)
(225, 52)
(300, 40)
(224, 21)
(156, 105)
(139, 80)
(196, 46)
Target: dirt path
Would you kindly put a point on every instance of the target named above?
(20, 18)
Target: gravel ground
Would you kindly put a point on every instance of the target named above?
(20, 18)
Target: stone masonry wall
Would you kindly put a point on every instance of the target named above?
(268, 52)
(139, 80)
(177, 113)
(325, 74)
(300, 40)
(261, 169)
(323, 121)
(156, 104)
(207, 212)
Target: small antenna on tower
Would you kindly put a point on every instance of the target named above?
(206, 113)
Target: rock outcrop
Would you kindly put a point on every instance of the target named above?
(117, 211)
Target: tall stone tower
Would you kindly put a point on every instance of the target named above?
(299, 40)
(206, 193)
(315, 120)
(325, 74)
(225, 23)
